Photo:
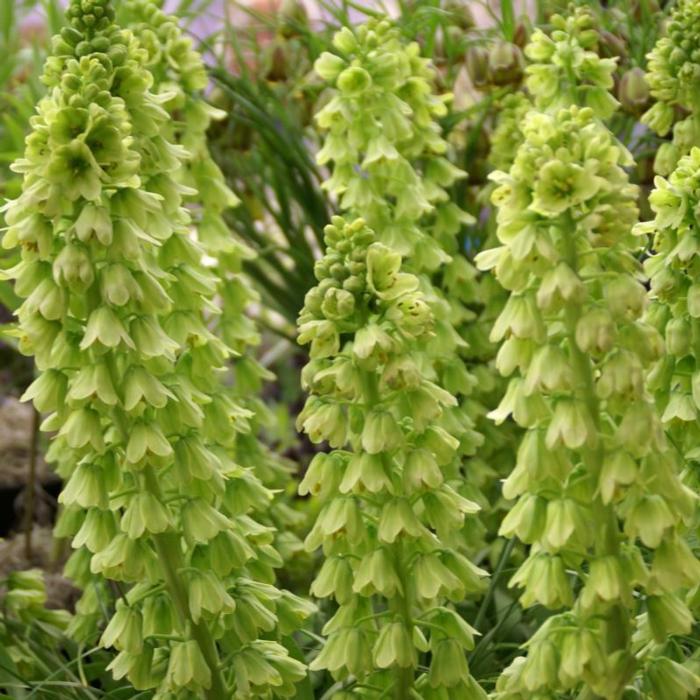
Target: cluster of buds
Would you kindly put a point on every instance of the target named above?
(115, 315)
(384, 142)
(599, 497)
(673, 74)
(565, 67)
(389, 519)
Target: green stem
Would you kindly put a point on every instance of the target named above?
(170, 556)
(617, 623)
(502, 561)
(400, 604)
(405, 676)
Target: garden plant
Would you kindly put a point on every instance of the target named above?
(350, 350)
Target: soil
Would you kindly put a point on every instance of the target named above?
(45, 554)
(16, 421)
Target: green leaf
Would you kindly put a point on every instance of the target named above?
(8, 298)
(507, 19)
(304, 689)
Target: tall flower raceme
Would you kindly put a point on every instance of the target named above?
(389, 521)
(180, 74)
(674, 310)
(114, 314)
(672, 76)
(389, 167)
(564, 68)
(600, 501)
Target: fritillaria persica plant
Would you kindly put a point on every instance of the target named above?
(389, 166)
(180, 77)
(115, 311)
(134, 294)
(389, 521)
(599, 499)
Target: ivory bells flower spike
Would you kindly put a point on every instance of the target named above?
(389, 166)
(388, 518)
(129, 374)
(180, 78)
(384, 141)
(598, 489)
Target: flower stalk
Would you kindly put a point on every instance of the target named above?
(388, 517)
(599, 494)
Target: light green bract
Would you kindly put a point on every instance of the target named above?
(673, 72)
(600, 501)
(115, 312)
(388, 519)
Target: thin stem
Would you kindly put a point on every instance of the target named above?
(502, 560)
(31, 487)
(617, 620)
(405, 676)
(169, 554)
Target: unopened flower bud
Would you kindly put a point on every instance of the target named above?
(293, 17)
(506, 63)
(477, 64)
(461, 15)
(611, 45)
(633, 91)
(521, 35)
